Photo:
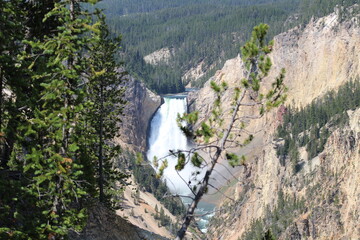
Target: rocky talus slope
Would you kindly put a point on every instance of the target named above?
(325, 192)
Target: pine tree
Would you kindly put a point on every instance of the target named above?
(106, 94)
(49, 149)
(213, 135)
(63, 81)
(11, 103)
(10, 75)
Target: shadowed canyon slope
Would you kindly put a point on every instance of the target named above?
(141, 105)
(106, 225)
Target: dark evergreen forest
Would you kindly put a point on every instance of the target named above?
(61, 100)
(206, 31)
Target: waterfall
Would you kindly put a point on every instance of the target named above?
(165, 135)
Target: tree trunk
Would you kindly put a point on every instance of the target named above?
(2, 161)
(67, 100)
(101, 175)
(72, 10)
(202, 190)
(204, 185)
(1, 98)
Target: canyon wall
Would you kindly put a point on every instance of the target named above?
(318, 58)
(141, 106)
(326, 185)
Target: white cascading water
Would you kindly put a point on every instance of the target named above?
(165, 135)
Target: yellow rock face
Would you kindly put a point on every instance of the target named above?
(318, 58)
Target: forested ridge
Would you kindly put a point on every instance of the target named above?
(125, 7)
(206, 31)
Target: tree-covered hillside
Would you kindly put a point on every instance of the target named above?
(125, 7)
(203, 31)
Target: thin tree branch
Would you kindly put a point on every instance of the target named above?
(217, 189)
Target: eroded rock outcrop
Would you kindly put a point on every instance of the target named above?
(161, 56)
(141, 106)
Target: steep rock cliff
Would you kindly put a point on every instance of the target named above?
(141, 106)
(325, 192)
(317, 58)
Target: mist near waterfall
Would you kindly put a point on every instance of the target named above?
(165, 135)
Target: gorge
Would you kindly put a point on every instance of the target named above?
(83, 137)
(310, 75)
